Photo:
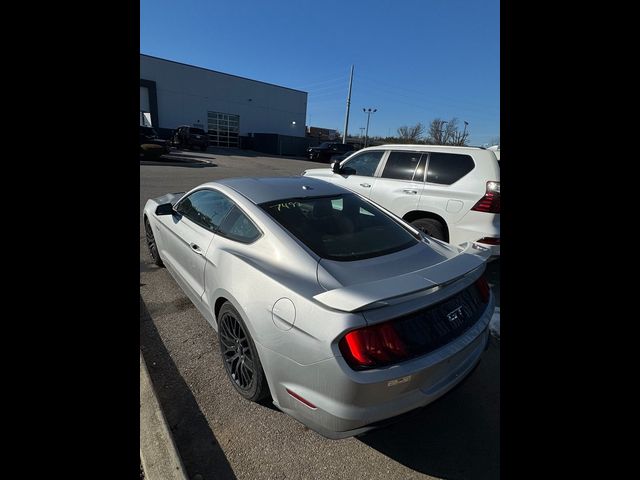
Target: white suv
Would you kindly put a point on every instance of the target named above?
(450, 193)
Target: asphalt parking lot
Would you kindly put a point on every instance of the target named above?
(220, 435)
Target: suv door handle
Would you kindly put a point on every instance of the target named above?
(196, 248)
(366, 185)
(411, 192)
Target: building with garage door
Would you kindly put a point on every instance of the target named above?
(226, 106)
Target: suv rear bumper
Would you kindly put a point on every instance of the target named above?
(475, 226)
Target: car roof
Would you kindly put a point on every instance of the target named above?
(420, 147)
(268, 189)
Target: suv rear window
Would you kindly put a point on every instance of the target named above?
(340, 227)
(198, 131)
(447, 168)
(404, 166)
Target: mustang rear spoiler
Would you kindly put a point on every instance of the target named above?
(363, 295)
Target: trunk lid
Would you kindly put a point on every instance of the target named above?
(367, 283)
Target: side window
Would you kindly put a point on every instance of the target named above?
(447, 168)
(207, 208)
(363, 164)
(402, 166)
(237, 226)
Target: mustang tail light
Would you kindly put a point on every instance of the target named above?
(382, 344)
(490, 203)
(373, 346)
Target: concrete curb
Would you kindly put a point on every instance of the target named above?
(158, 453)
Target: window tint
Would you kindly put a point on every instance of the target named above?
(363, 164)
(237, 226)
(207, 208)
(447, 168)
(341, 227)
(402, 165)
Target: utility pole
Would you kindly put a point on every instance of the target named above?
(346, 118)
(366, 135)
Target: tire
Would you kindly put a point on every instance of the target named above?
(431, 227)
(151, 244)
(239, 355)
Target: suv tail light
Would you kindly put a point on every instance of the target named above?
(489, 240)
(490, 203)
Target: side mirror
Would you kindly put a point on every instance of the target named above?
(165, 209)
(335, 166)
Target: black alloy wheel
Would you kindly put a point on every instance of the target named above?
(239, 355)
(151, 244)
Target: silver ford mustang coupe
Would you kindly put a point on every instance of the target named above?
(342, 313)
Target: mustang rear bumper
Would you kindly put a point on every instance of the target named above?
(352, 402)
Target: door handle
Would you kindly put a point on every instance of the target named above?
(196, 248)
(366, 185)
(411, 192)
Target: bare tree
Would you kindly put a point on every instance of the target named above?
(435, 136)
(442, 132)
(411, 134)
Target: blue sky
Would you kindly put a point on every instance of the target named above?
(415, 60)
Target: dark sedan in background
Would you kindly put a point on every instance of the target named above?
(326, 150)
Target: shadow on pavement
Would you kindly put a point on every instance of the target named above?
(237, 152)
(456, 437)
(177, 162)
(195, 441)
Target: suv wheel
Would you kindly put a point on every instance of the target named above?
(431, 227)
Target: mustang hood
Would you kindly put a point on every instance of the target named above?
(415, 269)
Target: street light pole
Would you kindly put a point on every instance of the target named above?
(366, 135)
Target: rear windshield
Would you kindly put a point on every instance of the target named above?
(197, 130)
(341, 227)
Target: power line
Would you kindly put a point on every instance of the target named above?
(451, 100)
(432, 107)
(333, 80)
(432, 104)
